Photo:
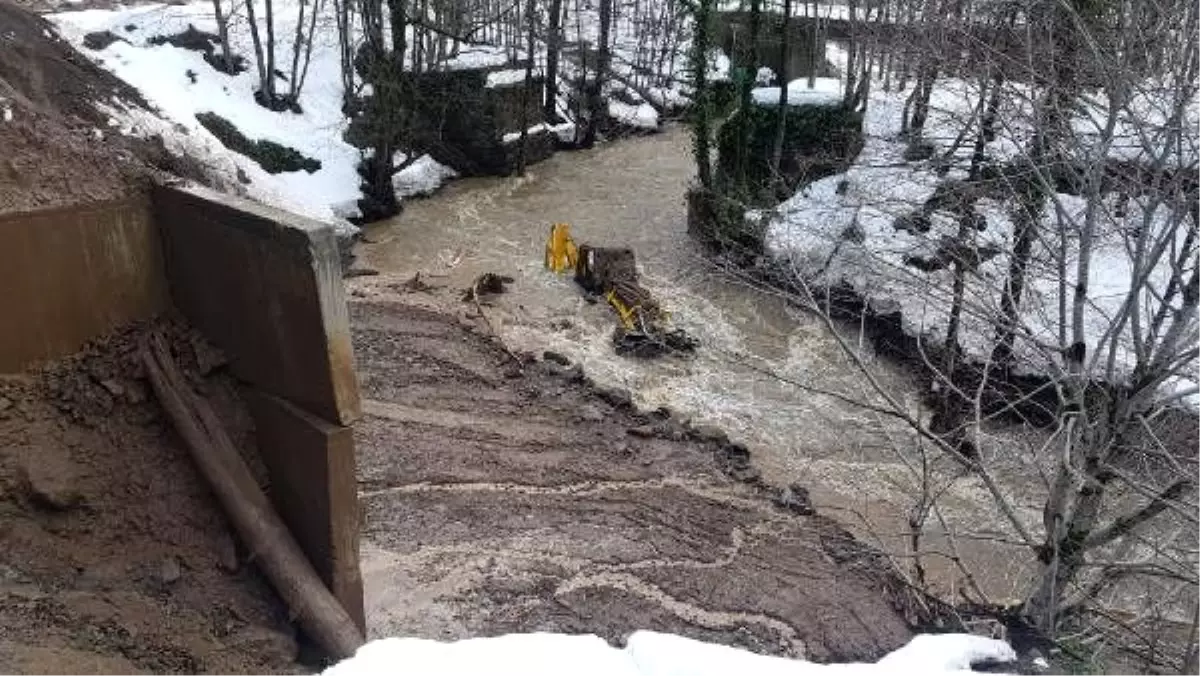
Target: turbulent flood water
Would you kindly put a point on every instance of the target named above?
(631, 193)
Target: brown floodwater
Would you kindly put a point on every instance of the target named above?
(631, 193)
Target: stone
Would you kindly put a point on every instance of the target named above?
(170, 572)
(590, 413)
(49, 479)
(273, 646)
(227, 555)
(556, 357)
(795, 498)
(208, 358)
(114, 388)
(5, 404)
(360, 271)
(747, 474)
(643, 431)
(99, 40)
(616, 396)
(711, 432)
(135, 393)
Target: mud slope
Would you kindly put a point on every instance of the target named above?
(498, 501)
(114, 556)
(56, 145)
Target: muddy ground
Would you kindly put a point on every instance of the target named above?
(502, 498)
(57, 145)
(114, 556)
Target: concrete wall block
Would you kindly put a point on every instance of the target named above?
(313, 485)
(73, 273)
(265, 286)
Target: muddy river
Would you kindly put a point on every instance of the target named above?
(631, 193)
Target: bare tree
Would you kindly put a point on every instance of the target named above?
(1097, 100)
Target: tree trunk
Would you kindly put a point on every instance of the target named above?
(702, 113)
(308, 46)
(553, 47)
(527, 90)
(302, 46)
(398, 17)
(223, 34)
(272, 545)
(269, 16)
(815, 20)
(747, 65)
(784, 77)
(596, 107)
(264, 75)
(851, 52)
(346, 54)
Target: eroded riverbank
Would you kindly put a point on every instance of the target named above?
(631, 193)
(501, 500)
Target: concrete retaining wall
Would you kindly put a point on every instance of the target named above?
(67, 275)
(263, 285)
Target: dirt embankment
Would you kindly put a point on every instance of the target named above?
(502, 499)
(57, 146)
(114, 557)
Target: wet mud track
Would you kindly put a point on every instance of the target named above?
(499, 500)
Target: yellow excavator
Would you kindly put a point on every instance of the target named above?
(645, 329)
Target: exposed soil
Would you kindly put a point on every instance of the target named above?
(114, 556)
(58, 147)
(500, 499)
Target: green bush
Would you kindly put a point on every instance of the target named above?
(273, 157)
(818, 141)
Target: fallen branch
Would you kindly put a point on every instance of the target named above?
(491, 283)
(260, 528)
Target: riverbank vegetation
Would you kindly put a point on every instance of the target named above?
(1021, 224)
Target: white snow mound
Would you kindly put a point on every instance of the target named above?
(647, 653)
(826, 91)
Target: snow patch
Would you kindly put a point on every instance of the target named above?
(826, 91)
(478, 56)
(421, 178)
(642, 116)
(160, 74)
(647, 653)
(506, 78)
(848, 230)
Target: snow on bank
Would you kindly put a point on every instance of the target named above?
(179, 83)
(647, 654)
(847, 230)
(421, 178)
(641, 116)
(826, 91)
(507, 78)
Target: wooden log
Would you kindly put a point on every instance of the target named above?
(260, 527)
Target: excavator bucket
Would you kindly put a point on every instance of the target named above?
(561, 252)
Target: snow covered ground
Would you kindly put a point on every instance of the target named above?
(647, 654)
(842, 230)
(826, 91)
(179, 83)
